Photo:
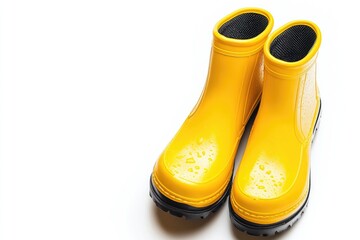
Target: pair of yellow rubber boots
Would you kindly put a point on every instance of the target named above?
(193, 176)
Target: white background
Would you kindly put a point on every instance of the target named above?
(92, 91)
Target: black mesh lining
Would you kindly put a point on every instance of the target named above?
(293, 44)
(244, 26)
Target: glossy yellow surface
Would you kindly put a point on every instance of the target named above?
(272, 181)
(196, 167)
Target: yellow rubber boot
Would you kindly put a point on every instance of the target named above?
(272, 185)
(192, 177)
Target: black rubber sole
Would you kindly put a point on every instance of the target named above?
(272, 229)
(183, 210)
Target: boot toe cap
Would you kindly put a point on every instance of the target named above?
(269, 200)
(189, 185)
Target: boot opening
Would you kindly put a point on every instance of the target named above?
(244, 26)
(293, 44)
